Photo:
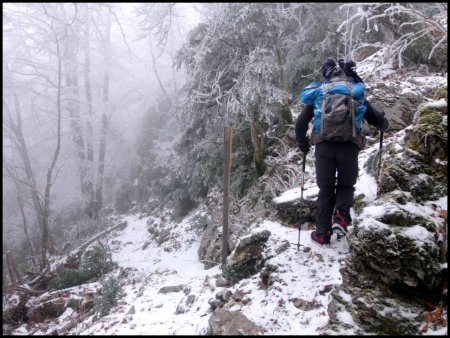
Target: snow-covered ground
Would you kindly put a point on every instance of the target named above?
(309, 276)
(304, 276)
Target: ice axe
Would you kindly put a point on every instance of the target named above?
(302, 185)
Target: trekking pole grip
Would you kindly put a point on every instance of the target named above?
(304, 162)
(302, 182)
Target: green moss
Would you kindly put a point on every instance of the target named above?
(400, 176)
(244, 264)
(430, 123)
(111, 291)
(441, 93)
(247, 258)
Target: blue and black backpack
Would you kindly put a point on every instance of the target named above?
(339, 107)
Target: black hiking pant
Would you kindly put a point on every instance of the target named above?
(331, 157)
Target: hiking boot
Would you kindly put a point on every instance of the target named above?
(340, 224)
(321, 239)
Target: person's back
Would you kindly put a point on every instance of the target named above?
(338, 106)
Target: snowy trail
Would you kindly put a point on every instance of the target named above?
(143, 310)
(306, 277)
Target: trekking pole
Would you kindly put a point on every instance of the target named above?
(379, 162)
(302, 185)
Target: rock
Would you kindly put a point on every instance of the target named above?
(282, 247)
(169, 289)
(185, 304)
(305, 305)
(164, 236)
(224, 322)
(238, 295)
(326, 289)
(222, 282)
(210, 249)
(131, 311)
(224, 295)
(288, 210)
(246, 260)
(215, 303)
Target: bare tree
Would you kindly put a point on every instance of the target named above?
(52, 31)
(71, 51)
(14, 131)
(91, 160)
(12, 173)
(50, 178)
(104, 119)
(89, 179)
(157, 23)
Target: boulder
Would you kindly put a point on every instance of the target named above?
(232, 323)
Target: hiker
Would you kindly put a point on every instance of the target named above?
(337, 144)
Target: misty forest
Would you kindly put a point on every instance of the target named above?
(119, 109)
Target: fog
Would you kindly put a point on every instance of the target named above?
(95, 70)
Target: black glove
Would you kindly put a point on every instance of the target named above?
(304, 145)
(350, 65)
(385, 125)
(350, 70)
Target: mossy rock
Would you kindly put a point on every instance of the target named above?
(399, 196)
(421, 187)
(441, 93)
(393, 177)
(428, 137)
(430, 124)
(402, 218)
(420, 263)
(379, 314)
(246, 260)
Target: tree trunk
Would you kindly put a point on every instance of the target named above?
(46, 213)
(104, 122)
(258, 142)
(174, 77)
(155, 71)
(16, 270)
(23, 150)
(283, 84)
(12, 172)
(25, 230)
(73, 108)
(10, 269)
(90, 202)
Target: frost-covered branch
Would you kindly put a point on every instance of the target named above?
(419, 25)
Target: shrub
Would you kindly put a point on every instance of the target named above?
(111, 292)
(199, 222)
(96, 262)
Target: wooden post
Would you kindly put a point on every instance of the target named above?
(228, 138)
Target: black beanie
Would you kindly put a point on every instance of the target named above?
(330, 68)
